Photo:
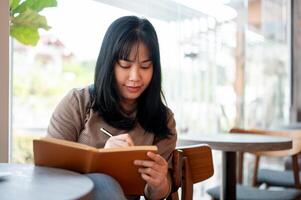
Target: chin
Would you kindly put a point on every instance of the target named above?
(132, 97)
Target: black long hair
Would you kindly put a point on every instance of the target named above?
(118, 41)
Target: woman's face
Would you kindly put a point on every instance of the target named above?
(134, 74)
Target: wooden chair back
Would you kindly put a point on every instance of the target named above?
(196, 166)
(176, 175)
(295, 135)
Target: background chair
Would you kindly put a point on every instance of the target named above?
(288, 178)
(249, 192)
(244, 192)
(196, 165)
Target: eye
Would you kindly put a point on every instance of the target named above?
(124, 63)
(146, 65)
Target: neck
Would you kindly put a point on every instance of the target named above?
(128, 106)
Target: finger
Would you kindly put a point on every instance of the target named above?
(146, 167)
(118, 143)
(127, 138)
(129, 141)
(157, 158)
(149, 165)
(151, 172)
(149, 180)
(145, 163)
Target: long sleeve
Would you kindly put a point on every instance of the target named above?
(68, 118)
(166, 146)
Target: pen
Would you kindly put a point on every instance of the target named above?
(106, 132)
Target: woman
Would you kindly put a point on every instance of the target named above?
(126, 100)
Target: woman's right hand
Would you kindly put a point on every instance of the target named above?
(122, 140)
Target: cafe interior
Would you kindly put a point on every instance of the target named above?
(230, 74)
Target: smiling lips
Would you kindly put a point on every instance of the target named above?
(133, 89)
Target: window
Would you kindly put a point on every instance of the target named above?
(224, 63)
(199, 60)
(267, 68)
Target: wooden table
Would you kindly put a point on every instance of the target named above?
(290, 126)
(229, 144)
(29, 182)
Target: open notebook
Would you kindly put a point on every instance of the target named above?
(116, 162)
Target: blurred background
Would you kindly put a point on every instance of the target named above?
(225, 63)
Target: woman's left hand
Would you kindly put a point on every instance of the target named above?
(154, 172)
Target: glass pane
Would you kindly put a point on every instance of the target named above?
(267, 69)
(193, 52)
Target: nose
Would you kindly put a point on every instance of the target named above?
(134, 73)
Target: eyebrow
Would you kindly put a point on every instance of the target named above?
(144, 61)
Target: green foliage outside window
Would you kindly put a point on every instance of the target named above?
(25, 19)
(22, 148)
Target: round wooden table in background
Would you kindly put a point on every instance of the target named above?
(229, 144)
(29, 182)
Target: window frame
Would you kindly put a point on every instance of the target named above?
(5, 83)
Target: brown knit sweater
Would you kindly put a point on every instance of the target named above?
(74, 120)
